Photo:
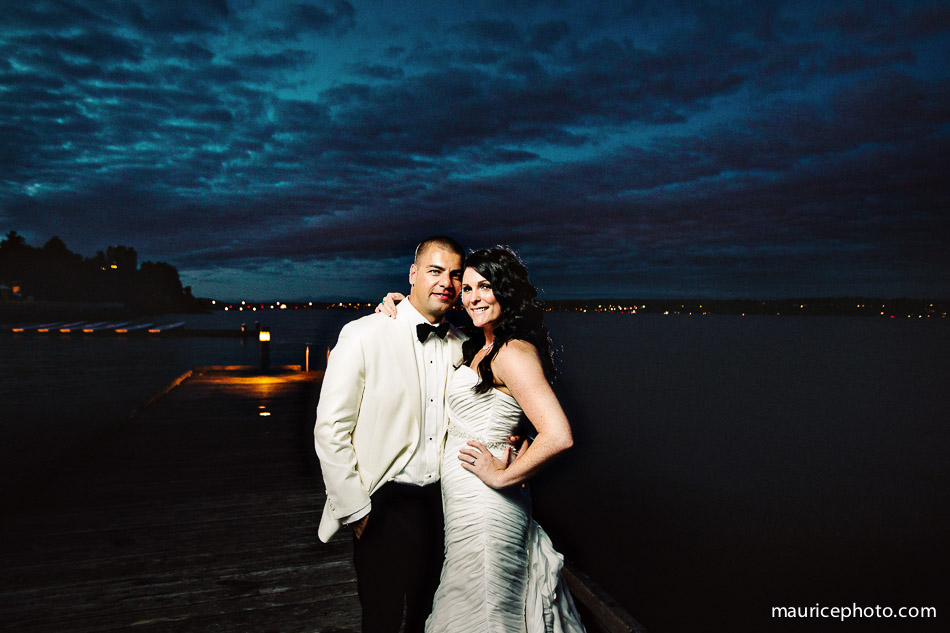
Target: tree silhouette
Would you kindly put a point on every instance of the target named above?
(55, 273)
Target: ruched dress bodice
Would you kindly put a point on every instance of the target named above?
(489, 417)
(501, 573)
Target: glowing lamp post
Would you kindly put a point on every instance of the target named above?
(264, 337)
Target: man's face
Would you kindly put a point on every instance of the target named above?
(436, 280)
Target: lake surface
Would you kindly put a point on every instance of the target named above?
(723, 465)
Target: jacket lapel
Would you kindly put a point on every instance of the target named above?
(405, 355)
(452, 352)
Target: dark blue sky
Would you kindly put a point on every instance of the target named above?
(300, 149)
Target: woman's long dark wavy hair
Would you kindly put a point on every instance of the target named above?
(521, 314)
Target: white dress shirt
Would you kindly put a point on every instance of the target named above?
(424, 465)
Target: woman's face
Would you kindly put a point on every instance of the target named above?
(479, 300)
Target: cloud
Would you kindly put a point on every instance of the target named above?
(893, 103)
(693, 146)
(177, 17)
(490, 32)
(923, 22)
(543, 37)
(334, 18)
(190, 52)
(29, 16)
(263, 62)
(88, 46)
(377, 71)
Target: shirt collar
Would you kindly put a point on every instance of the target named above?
(408, 312)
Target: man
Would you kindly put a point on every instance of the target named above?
(378, 434)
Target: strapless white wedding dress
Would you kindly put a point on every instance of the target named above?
(501, 572)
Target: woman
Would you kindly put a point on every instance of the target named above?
(501, 573)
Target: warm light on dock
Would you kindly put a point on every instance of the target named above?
(263, 336)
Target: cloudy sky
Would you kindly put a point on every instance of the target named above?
(299, 149)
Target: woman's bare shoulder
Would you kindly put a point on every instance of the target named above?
(516, 354)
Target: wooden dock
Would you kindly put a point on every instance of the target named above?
(198, 514)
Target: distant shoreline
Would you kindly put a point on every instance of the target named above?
(820, 306)
(12, 311)
(20, 311)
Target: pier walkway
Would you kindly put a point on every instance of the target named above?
(197, 514)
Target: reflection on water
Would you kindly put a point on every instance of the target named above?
(722, 464)
(57, 391)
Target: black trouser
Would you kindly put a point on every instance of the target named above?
(398, 558)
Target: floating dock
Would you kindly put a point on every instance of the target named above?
(168, 327)
(64, 327)
(106, 327)
(127, 328)
(23, 329)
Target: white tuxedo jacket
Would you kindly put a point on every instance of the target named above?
(369, 417)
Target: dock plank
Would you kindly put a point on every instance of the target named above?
(198, 514)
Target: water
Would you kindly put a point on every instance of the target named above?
(57, 392)
(723, 465)
(726, 465)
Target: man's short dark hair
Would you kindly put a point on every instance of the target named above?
(440, 241)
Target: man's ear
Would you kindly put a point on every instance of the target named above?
(412, 275)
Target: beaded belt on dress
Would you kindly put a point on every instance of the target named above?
(455, 431)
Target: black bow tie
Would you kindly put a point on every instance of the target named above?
(423, 330)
